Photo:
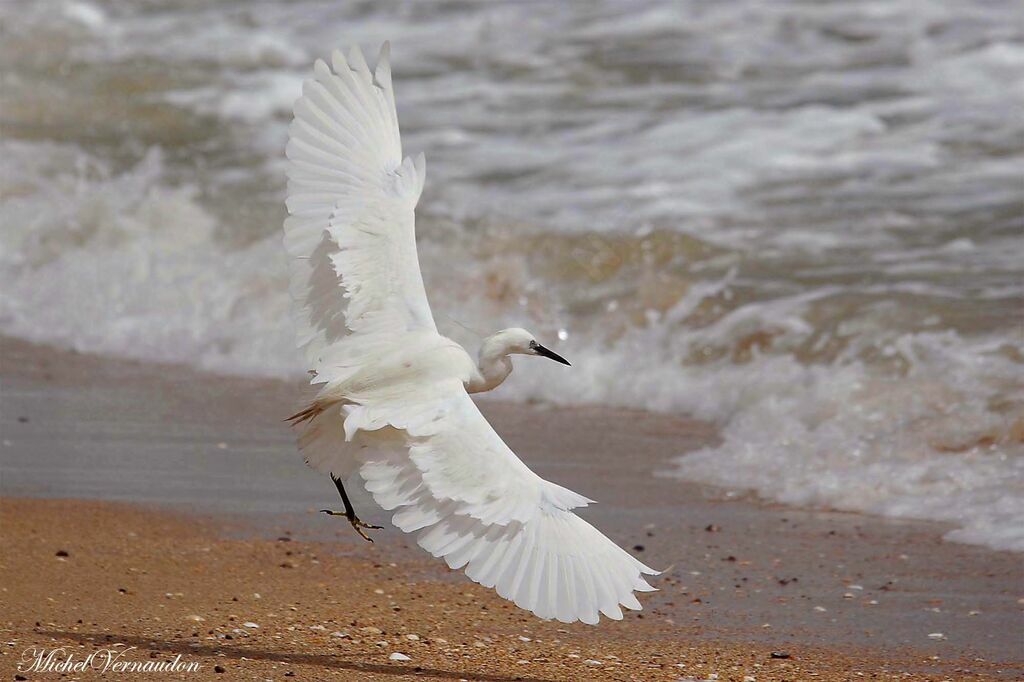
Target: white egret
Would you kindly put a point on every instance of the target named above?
(394, 403)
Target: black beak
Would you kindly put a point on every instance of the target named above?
(541, 350)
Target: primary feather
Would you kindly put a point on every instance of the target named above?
(393, 405)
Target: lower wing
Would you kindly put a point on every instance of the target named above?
(450, 480)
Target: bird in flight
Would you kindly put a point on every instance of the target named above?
(393, 404)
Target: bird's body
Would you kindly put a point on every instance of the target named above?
(394, 405)
(426, 358)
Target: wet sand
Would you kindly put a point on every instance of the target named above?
(213, 481)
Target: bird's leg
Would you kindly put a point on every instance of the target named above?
(350, 513)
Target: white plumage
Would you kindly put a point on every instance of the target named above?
(394, 402)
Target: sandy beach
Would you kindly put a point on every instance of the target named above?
(211, 507)
(88, 575)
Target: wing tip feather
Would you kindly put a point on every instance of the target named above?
(357, 61)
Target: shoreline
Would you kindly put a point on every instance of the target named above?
(740, 573)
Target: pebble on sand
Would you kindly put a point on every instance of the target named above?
(398, 656)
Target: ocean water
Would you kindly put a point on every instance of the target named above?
(801, 221)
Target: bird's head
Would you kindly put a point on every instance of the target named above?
(518, 341)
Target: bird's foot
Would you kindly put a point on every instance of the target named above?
(356, 522)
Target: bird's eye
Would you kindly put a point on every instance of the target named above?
(533, 344)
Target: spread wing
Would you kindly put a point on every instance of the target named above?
(355, 275)
(468, 498)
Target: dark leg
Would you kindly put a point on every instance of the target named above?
(349, 512)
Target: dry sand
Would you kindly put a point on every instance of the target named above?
(214, 482)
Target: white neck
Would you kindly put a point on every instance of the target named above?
(494, 366)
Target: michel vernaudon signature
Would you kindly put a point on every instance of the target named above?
(114, 659)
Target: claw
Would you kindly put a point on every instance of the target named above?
(357, 523)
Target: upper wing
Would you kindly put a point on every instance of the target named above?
(356, 279)
(470, 500)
